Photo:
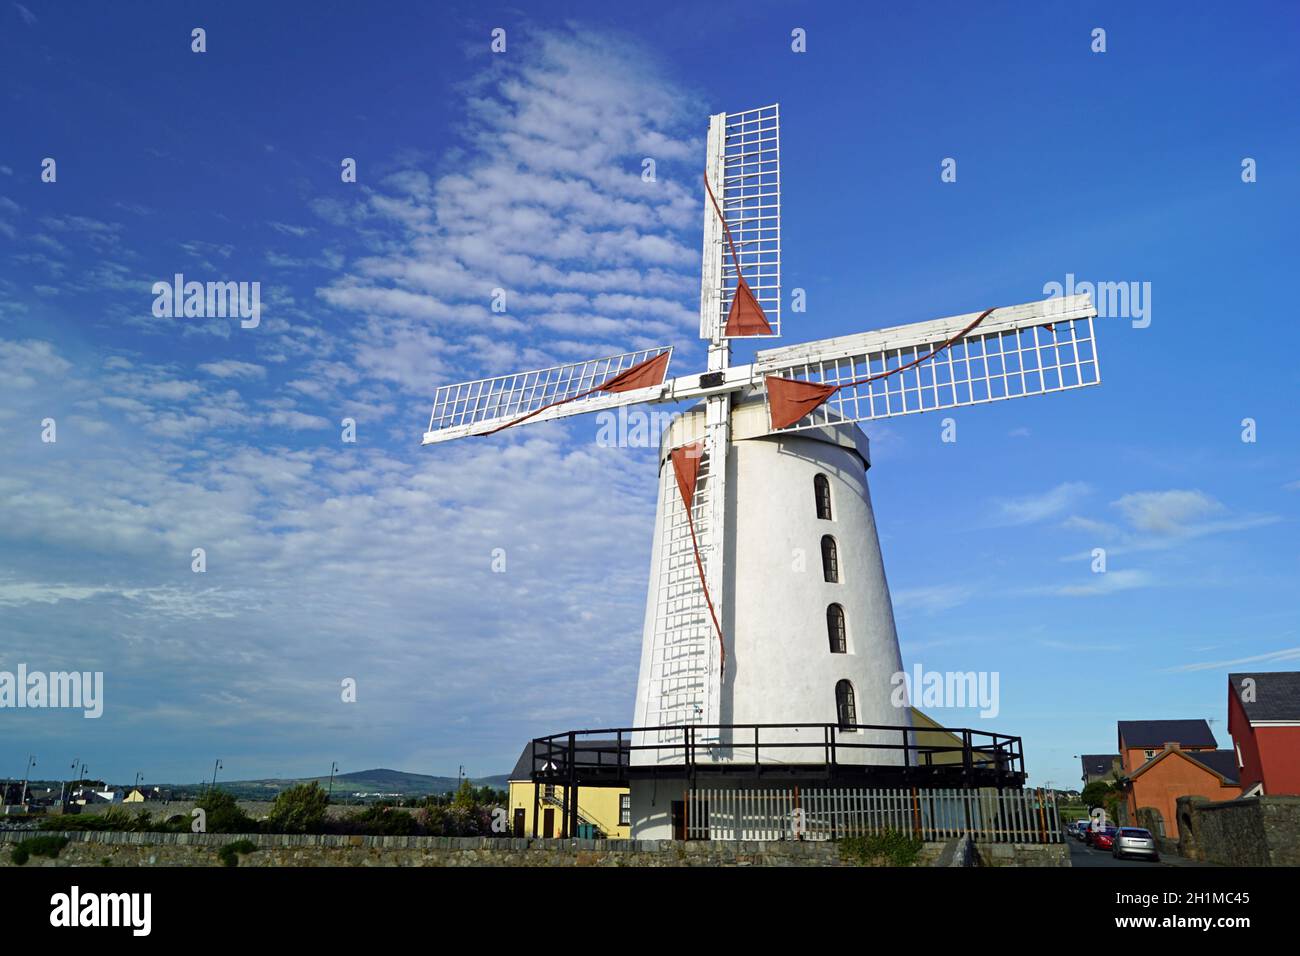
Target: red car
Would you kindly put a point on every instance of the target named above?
(1104, 839)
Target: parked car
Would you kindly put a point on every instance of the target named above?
(1104, 838)
(1092, 830)
(1081, 829)
(1134, 841)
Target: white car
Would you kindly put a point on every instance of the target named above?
(1134, 841)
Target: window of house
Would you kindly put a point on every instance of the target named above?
(836, 630)
(845, 706)
(625, 810)
(830, 560)
(822, 490)
(1148, 754)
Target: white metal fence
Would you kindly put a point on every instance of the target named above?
(1013, 816)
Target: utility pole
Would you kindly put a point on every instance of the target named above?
(215, 768)
(334, 766)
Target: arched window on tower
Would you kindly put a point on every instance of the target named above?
(835, 628)
(830, 560)
(845, 707)
(822, 490)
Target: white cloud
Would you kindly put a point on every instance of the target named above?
(1167, 512)
(22, 363)
(548, 205)
(230, 368)
(1028, 509)
(1284, 655)
(930, 599)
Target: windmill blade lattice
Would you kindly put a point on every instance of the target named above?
(484, 405)
(1018, 351)
(747, 185)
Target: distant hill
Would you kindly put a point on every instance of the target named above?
(369, 782)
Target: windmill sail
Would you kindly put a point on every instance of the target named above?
(1016, 351)
(486, 405)
(743, 176)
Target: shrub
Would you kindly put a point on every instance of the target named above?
(230, 853)
(300, 809)
(114, 818)
(891, 847)
(49, 846)
(382, 821)
(223, 813)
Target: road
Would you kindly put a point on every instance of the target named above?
(1086, 856)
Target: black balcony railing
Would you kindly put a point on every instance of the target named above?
(613, 756)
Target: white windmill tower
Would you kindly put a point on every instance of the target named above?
(767, 600)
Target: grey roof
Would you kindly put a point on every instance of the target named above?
(1277, 695)
(524, 765)
(1223, 762)
(1157, 733)
(1098, 763)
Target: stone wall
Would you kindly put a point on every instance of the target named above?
(1251, 831)
(92, 848)
(1022, 854)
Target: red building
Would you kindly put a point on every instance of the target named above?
(1264, 721)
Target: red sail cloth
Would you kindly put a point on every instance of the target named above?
(791, 399)
(746, 316)
(641, 375)
(686, 467)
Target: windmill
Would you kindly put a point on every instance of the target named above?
(736, 463)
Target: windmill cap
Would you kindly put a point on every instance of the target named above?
(749, 422)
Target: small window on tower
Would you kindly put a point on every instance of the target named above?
(830, 560)
(835, 627)
(844, 705)
(822, 488)
(625, 810)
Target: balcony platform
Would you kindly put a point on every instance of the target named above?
(739, 754)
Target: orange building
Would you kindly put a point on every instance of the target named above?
(1159, 767)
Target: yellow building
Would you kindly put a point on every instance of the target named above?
(602, 811)
(930, 733)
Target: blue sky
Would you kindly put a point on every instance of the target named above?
(521, 170)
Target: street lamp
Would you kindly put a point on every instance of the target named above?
(63, 789)
(31, 762)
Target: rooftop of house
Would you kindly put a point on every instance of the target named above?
(1273, 695)
(1094, 764)
(1156, 733)
(1220, 762)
